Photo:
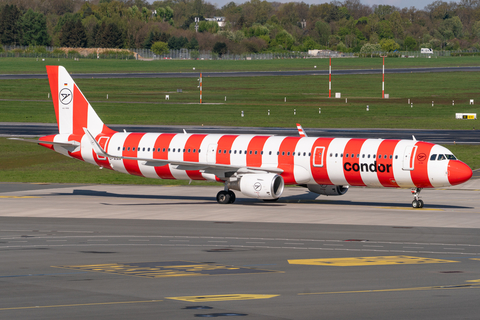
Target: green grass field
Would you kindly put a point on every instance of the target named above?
(33, 65)
(142, 101)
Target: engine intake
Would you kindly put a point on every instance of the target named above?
(267, 186)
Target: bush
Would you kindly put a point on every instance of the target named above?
(160, 48)
(58, 51)
(194, 54)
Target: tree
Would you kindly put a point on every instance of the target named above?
(160, 48)
(410, 43)
(323, 30)
(33, 29)
(284, 39)
(370, 48)
(8, 25)
(220, 48)
(389, 45)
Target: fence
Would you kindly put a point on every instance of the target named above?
(146, 54)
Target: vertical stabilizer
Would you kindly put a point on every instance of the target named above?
(72, 109)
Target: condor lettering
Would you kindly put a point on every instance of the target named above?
(365, 167)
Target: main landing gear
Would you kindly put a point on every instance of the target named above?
(417, 203)
(226, 196)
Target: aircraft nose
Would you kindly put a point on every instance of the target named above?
(458, 172)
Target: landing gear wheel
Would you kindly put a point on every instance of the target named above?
(420, 203)
(232, 196)
(415, 204)
(223, 197)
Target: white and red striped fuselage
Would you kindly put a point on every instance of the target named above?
(303, 160)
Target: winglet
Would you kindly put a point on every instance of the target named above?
(301, 132)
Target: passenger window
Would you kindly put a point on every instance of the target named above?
(331, 155)
(219, 151)
(346, 155)
(270, 153)
(133, 149)
(363, 155)
(255, 151)
(230, 151)
(148, 149)
(368, 156)
(288, 153)
(309, 154)
(118, 149)
(239, 151)
(128, 149)
(261, 152)
(336, 155)
(390, 156)
(189, 150)
(250, 151)
(396, 156)
(304, 154)
(225, 151)
(278, 153)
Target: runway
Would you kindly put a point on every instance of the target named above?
(124, 252)
(245, 73)
(26, 129)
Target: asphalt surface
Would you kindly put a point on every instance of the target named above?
(243, 74)
(128, 252)
(434, 136)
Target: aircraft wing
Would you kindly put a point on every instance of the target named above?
(183, 165)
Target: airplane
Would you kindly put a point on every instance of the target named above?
(259, 166)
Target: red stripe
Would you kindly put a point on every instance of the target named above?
(419, 173)
(386, 178)
(193, 143)
(80, 111)
(47, 138)
(76, 154)
(351, 165)
(163, 142)
(132, 141)
(320, 174)
(102, 140)
(224, 146)
(286, 158)
(106, 130)
(52, 72)
(254, 151)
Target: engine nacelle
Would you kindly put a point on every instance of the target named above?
(328, 190)
(267, 186)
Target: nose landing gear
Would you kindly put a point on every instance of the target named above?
(417, 203)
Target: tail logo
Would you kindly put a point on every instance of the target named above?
(65, 96)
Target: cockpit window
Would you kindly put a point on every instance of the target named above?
(441, 157)
(450, 157)
(433, 157)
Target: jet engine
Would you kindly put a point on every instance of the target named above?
(327, 190)
(267, 186)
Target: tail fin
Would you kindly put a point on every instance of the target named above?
(72, 109)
